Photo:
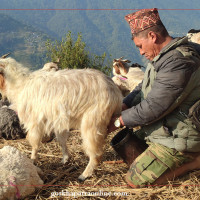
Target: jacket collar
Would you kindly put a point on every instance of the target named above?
(171, 45)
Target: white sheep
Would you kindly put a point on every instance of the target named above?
(46, 102)
(126, 76)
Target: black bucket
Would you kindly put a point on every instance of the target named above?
(128, 145)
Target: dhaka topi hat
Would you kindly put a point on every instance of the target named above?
(143, 19)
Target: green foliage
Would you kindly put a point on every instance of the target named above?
(73, 55)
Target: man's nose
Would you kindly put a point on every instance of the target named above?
(141, 52)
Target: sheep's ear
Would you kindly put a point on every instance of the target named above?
(127, 61)
(2, 65)
(5, 55)
(117, 59)
(2, 71)
(57, 61)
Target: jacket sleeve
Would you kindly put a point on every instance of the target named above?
(171, 79)
(132, 98)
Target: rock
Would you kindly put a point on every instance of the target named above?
(18, 176)
(10, 127)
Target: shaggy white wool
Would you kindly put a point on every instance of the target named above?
(46, 102)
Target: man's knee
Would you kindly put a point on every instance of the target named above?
(145, 170)
(150, 166)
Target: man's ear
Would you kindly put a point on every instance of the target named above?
(152, 36)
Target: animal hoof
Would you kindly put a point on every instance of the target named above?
(81, 178)
(65, 159)
(34, 161)
(40, 172)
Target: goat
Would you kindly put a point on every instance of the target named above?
(46, 102)
(126, 77)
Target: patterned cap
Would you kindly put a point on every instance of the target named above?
(143, 19)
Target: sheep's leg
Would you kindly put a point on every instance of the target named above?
(34, 139)
(62, 139)
(93, 163)
(93, 140)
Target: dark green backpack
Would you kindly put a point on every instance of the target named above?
(194, 114)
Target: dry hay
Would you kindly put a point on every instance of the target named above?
(107, 179)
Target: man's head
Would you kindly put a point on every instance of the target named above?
(148, 32)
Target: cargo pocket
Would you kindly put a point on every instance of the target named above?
(170, 157)
(146, 169)
(186, 137)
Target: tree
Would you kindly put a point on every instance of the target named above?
(73, 55)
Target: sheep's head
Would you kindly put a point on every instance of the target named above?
(2, 60)
(13, 67)
(2, 74)
(2, 81)
(11, 72)
(120, 66)
(51, 66)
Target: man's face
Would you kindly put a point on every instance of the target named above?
(146, 47)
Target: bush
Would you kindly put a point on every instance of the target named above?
(73, 55)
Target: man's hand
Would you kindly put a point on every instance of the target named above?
(112, 127)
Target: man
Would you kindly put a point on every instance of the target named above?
(160, 105)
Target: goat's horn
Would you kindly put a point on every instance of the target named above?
(5, 55)
(128, 61)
